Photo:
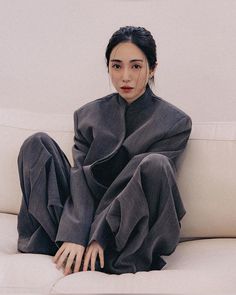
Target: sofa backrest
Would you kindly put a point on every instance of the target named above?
(207, 181)
(206, 174)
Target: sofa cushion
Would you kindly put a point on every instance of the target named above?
(196, 267)
(22, 273)
(8, 233)
(27, 273)
(204, 266)
(206, 179)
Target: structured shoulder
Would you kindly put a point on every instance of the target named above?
(169, 109)
(95, 104)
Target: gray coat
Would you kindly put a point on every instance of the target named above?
(160, 129)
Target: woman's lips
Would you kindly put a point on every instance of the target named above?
(126, 88)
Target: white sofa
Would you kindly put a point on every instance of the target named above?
(203, 263)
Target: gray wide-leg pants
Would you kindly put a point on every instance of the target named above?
(142, 210)
(44, 178)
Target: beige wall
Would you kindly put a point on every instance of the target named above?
(52, 52)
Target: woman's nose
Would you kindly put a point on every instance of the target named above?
(126, 75)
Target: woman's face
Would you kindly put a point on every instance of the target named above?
(129, 70)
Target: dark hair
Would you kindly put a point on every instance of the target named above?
(141, 37)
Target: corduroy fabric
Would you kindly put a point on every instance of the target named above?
(136, 217)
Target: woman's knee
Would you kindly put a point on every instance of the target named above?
(36, 138)
(32, 147)
(156, 162)
(35, 141)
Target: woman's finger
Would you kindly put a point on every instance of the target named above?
(86, 260)
(69, 262)
(62, 258)
(78, 260)
(58, 254)
(101, 257)
(93, 259)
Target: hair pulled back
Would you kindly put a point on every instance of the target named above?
(139, 36)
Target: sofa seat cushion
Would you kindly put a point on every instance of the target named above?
(27, 273)
(22, 273)
(205, 266)
(196, 267)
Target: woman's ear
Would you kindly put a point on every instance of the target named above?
(152, 71)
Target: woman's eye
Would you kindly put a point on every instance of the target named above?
(136, 66)
(116, 66)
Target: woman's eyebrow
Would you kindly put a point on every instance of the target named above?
(132, 60)
(116, 60)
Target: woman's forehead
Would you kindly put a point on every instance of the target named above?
(127, 51)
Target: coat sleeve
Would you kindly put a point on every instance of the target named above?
(171, 145)
(78, 210)
(174, 142)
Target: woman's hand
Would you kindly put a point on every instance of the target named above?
(92, 251)
(67, 255)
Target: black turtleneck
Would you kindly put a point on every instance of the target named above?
(138, 111)
(135, 115)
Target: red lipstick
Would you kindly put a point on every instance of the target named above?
(126, 88)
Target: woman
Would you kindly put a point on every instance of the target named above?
(118, 209)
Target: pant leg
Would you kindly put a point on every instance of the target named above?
(44, 178)
(144, 217)
(165, 212)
